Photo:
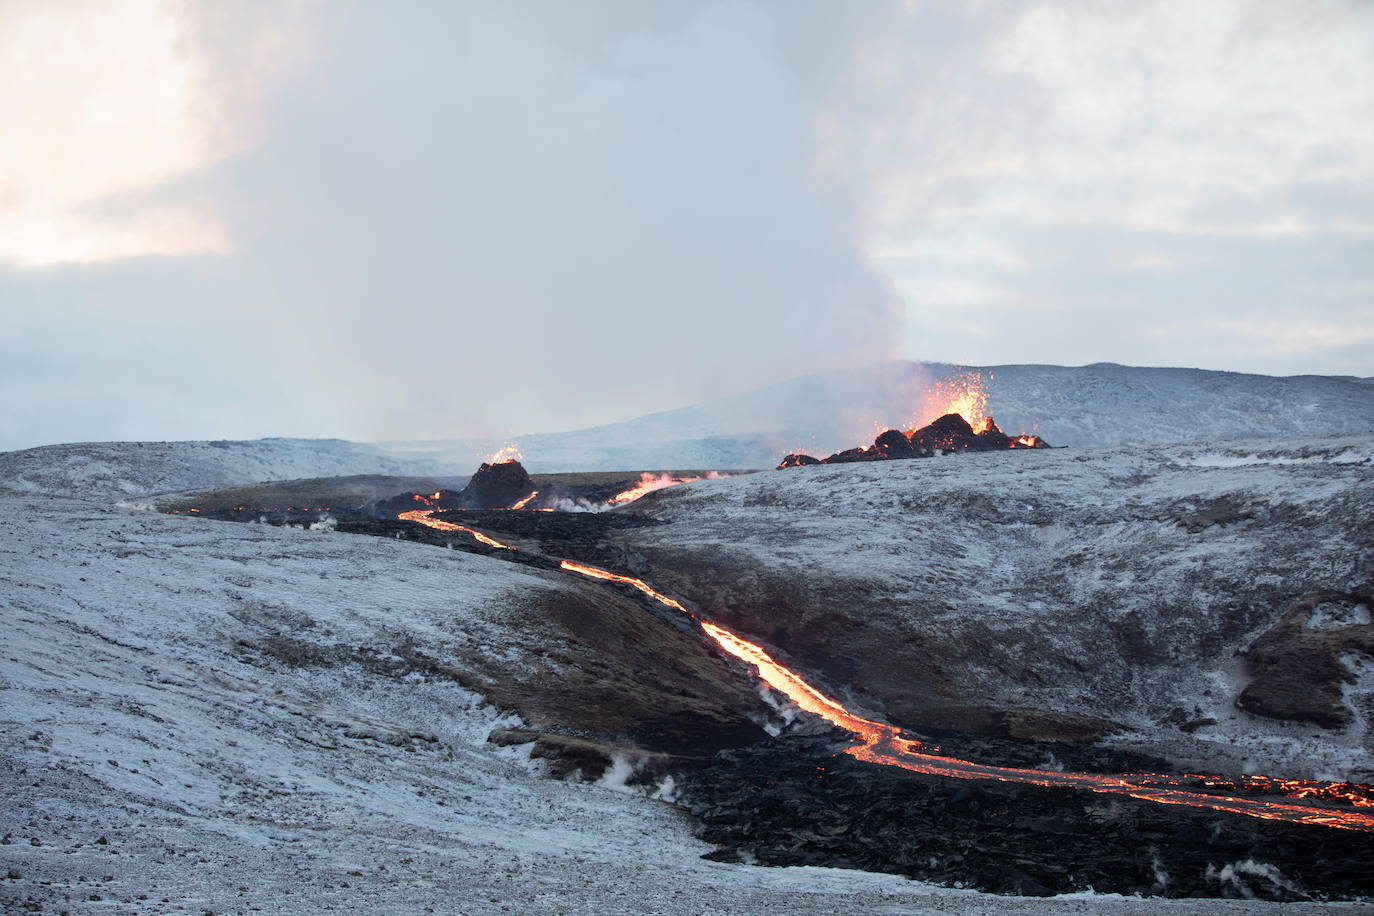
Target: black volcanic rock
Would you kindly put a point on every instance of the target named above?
(798, 801)
(896, 444)
(849, 455)
(496, 486)
(991, 437)
(405, 502)
(950, 433)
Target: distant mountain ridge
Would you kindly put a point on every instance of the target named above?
(1103, 404)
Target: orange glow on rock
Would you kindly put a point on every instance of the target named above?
(648, 483)
(423, 517)
(526, 501)
(505, 454)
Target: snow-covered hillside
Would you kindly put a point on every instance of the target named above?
(1037, 591)
(1078, 407)
(117, 469)
(1082, 406)
(153, 760)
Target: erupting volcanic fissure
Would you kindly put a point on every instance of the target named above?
(880, 743)
(959, 425)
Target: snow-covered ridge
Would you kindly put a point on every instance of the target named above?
(1080, 407)
(110, 470)
(1083, 406)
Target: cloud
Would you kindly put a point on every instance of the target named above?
(440, 220)
(106, 106)
(489, 218)
(1045, 181)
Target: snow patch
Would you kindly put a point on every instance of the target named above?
(1242, 875)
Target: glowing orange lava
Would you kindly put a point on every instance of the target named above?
(964, 393)
(648, 483)
(423, 517)
(505, 454)
(884, 744)
(526, 501)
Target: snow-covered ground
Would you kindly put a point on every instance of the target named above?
(153, 763)
(1113, 583)
(93, 470)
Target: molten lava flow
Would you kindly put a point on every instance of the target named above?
(884, 744)
(505, 454)
(526, 501)
(423, 516)
(648, 483)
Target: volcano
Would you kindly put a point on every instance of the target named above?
(497, 485)
(949, 433)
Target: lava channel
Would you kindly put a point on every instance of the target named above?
(880, 743)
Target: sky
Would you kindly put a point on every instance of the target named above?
(420, 221)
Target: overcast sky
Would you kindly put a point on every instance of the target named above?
(430, 220)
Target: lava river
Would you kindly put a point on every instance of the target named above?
(880, 743)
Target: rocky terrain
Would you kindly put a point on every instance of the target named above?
(192, 723)
(363, 714)
(797, 801)
(1056, 594)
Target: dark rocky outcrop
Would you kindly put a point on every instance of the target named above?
(496, 486)
(406, 502)
(801, 801)
(568, 757)
(950, 433)
(1297, 670)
